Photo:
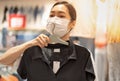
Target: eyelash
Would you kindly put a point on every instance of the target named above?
(51, 15)
(61, 16)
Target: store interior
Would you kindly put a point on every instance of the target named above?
(96, 28)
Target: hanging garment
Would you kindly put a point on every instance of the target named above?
(75, 63)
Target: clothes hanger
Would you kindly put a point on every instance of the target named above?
(54, 38)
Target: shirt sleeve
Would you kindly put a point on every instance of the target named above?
(22, 68)
(90, 70)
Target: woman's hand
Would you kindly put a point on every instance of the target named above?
(42, 40)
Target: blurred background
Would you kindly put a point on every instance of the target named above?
(97, 29)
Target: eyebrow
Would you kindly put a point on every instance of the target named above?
(58, 12)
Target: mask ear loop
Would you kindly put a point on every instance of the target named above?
(69, 31)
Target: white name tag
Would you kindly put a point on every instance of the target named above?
(56, 66)
(56, 50)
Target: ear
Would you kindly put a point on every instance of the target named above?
(72, 24)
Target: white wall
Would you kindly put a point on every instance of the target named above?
(86, 18)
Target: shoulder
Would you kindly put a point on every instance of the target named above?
(81, 49)
(82, 52)
(33, 48)
(32, 51)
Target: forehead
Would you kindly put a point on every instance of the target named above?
(60, 8)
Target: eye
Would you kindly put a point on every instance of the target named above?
(51, 15)
(61, 16)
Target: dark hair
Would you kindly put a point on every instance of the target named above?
(70, 8)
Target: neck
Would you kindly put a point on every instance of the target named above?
(66, 37)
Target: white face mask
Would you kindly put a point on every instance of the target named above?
(58, 26)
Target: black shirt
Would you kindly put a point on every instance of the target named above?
(75, 64)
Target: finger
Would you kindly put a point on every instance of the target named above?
(45, 39)
(42, 41)
(39, 42)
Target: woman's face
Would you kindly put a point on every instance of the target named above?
(60, 11)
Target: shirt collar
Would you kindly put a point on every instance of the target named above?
(73, 55)
(39, 53)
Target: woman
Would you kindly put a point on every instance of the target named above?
(46, 61)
